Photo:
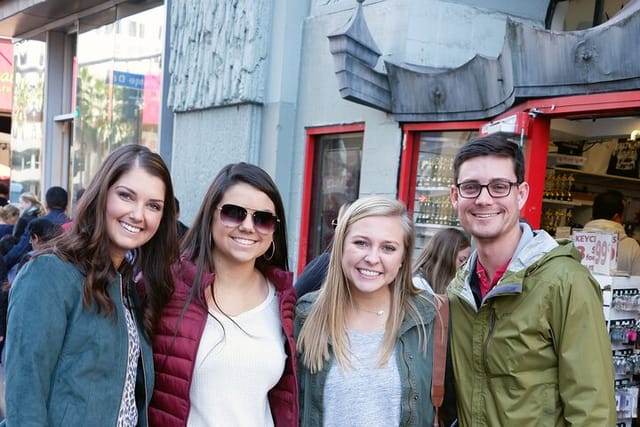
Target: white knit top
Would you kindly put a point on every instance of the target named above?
(235, 369)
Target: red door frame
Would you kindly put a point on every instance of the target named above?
(312, 135)
(541, 111)
(536, 129)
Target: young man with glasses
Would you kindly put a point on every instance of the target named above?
(528, 339)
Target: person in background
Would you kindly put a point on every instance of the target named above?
(366, 337)
(41, 230)
(182, 228)
(30, 208)
(315, 272)
(529, 342)
(9, 215)
(4, 194)
(443, 254)
(6, 243)
(56, 199)
(67, 225)
(608, 215)
(78, 347)
(224, 353)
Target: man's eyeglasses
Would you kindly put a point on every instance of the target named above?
(233, 215)
(497, 188)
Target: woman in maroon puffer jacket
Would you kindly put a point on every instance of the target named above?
(224, 352)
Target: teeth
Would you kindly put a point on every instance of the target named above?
(130, 228)
(487, 215)
(369, 273)
(243, 241)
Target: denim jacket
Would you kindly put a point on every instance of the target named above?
(66, 365)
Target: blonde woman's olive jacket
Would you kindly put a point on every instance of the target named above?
(414, 365)
(536, 352)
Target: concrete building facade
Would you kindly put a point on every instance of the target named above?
(276, 82)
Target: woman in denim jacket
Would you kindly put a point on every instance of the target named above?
(78, 349)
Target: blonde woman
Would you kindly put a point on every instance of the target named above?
(30, 208)
(366, 337)
(9, 215)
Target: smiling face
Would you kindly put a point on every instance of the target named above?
(490, 219)
(134, 211)
(242, 243)
(372, 254)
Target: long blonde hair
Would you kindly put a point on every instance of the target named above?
(33, 201)
(327, 319)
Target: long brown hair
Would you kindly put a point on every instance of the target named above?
(326, 322)
(87, 243)
(437, 261)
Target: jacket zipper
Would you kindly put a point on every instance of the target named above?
(144, 374)
(125, 371)
(405, 360)
(492, 322)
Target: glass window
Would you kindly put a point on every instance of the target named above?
(27, 127)
(336, 170)
(118, 92)
(434, 177)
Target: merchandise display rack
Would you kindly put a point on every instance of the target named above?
(621, 296)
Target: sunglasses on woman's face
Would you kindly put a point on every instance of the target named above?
(234, 215)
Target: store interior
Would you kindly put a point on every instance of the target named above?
(588, 155)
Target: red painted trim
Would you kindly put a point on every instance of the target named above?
(471, 125)
(408, 166)
(326, 130)
(312, 134)
(596, 105)
(306, 200)
(535, 160)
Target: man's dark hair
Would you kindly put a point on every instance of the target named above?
(56, 198)
(4, 189)
(607, 204)
(491, 145)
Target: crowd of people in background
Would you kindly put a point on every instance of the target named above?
(122, 315)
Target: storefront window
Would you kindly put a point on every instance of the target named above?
(337, 165)
(588, 156)
(27, 127)
(118, 90)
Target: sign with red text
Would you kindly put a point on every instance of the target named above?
(599, 250)
(6, 74)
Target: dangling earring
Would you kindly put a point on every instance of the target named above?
(273, 251)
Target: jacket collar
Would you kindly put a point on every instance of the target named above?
(534, 249)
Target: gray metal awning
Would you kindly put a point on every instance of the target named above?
(534, 63)
(32, 18)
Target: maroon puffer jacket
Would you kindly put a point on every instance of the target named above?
(174, 353)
